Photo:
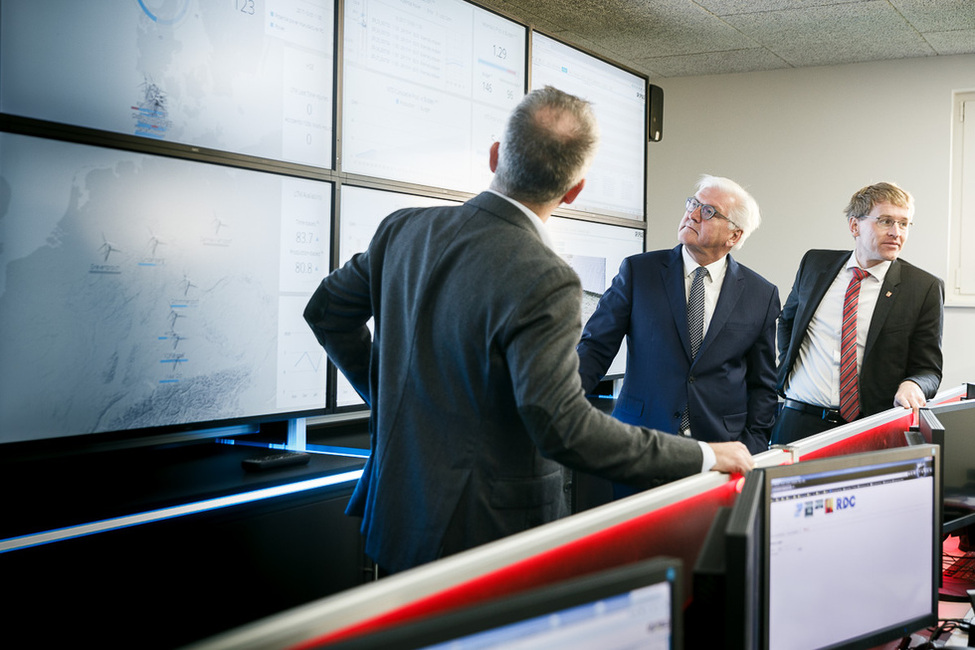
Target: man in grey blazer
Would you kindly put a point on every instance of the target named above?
(472, 375)
(895, 330)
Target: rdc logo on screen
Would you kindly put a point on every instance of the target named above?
(840, 503)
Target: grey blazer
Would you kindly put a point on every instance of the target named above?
(473, 382)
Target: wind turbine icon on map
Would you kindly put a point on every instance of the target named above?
(108, 247)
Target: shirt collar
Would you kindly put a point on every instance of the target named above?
(716, 270)
(535, 220)
(878, 271)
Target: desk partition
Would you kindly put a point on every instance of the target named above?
(671, 520)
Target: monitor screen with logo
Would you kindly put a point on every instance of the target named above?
(852, 548)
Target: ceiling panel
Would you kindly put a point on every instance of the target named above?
(669, 38)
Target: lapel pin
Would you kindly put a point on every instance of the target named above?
(889, 294)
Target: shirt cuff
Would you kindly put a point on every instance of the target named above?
(709, 458)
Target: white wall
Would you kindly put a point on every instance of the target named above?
(802, 142)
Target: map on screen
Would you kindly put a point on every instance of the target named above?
(244, 76)
(141, 291)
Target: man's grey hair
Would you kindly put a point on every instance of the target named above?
(547, 147)
(745, 214)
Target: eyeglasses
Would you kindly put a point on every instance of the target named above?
(708, 212)
(887, 222)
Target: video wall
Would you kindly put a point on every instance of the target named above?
(176, 177)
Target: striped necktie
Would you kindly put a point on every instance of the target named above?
(695, 310)
(695, 326)
(849, 390)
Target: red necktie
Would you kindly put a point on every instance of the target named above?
(849, 393)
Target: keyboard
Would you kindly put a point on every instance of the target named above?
(962, 569)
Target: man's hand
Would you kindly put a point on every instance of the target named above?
(732, 457)
(909, 396)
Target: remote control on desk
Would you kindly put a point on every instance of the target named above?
(276, 460)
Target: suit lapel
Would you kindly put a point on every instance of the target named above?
(810, 303)
(731, 290)
(672, 278)
(888, 295)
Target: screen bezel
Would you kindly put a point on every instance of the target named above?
(934, 431)
(575, 209)
(744, 561)
(894, 630)
(523, 606)
(332, 172)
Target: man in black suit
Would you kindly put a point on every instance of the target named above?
(894, 324)
(472, 375)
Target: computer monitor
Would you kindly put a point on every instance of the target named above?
(952, 427)
(595, 251)
(726, 603)
(632, 606)
(852, 548)
(362, 210)
(427, 88)
(743, 540)
(616, 182)
(252, 78)
(153, 294)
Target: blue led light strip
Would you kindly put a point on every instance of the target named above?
(150, 516)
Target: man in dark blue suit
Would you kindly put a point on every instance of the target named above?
(726, 389)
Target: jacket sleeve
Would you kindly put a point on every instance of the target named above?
(760, 379)
(787, 319)
(338, 313)
(924, 362)
(539, 339)
(603, 334)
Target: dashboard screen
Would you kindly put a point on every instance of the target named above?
(428, 87)
(615, 183)
(246, 76)
(142, 291)
(596, 251)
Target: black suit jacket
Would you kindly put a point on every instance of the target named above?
(904, 340)
(473, 381)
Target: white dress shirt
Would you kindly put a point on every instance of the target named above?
(712, 283)
(815, 379)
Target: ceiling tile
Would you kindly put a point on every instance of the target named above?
(938, 15)
(712, 63)
(865, 31)
(954, 42)
(694, 37)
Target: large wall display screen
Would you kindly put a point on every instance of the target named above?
(362, 211)
(138, 291)
(615, 184)
(596, 251)
(245, 76)
(428, 86)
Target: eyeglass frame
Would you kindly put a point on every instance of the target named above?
(708, 211)
(887, 222)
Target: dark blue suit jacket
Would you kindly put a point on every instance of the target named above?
(730, 386)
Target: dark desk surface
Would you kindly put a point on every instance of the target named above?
(41, 495)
